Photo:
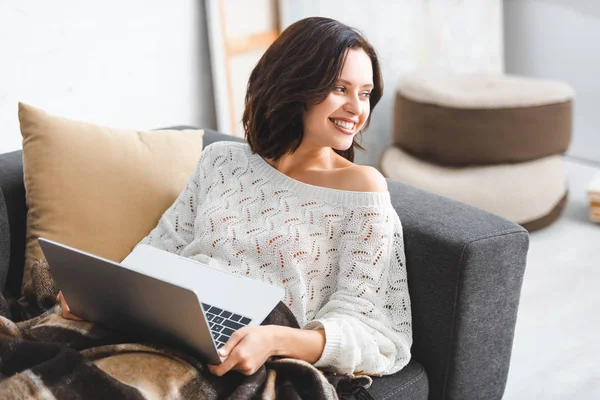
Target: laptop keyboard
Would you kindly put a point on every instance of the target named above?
(223, 323)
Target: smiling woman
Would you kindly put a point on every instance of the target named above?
(292, 209)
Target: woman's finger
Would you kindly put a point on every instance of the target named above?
(66, 311)
(224, 367)
(235, 354)
(69, 315)
(233, 341)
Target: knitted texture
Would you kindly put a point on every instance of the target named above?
(338, 254)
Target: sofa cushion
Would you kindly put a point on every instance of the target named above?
(410, 383)
(98, 189)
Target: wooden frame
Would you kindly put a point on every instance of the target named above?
(224, 50)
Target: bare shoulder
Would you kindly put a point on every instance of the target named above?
(363, 178)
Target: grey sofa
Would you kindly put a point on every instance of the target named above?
(465, 269)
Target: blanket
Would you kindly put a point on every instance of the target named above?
(49, 357)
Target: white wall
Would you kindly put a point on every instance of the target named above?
(132, 64)
(558, 39)
(460, 36)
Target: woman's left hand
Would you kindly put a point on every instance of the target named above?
(247, 349)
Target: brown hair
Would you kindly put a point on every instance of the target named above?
(300, 68)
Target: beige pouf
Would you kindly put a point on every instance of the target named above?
(532, 194)
(455, 119)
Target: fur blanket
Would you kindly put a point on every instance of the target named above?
(49, 357)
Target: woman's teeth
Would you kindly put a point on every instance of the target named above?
(344, 124)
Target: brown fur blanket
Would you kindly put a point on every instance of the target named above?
(49, 357)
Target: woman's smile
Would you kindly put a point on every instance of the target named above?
(346, 127)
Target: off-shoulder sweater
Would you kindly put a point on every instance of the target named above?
(339, 255)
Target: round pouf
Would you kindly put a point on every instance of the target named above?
(465, 119)
(492, 141)
(532, 194)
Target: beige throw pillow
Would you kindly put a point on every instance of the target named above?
(98, 189)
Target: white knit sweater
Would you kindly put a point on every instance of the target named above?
(338, 254)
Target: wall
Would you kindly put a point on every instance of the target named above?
(131, 64)
(461, 36)
(557, 39)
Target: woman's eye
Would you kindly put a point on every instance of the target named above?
(367, 94)
(339, 89)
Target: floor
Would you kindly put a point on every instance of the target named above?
(556, 351)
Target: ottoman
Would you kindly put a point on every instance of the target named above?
(492, 141)
(532, 194)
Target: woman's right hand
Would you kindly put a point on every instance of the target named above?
(66, 311)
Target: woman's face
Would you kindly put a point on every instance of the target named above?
(334, 122)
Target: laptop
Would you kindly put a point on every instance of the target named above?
(161, 295)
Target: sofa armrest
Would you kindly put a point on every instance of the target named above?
(12, 220)
(4, 242)
(465, 270)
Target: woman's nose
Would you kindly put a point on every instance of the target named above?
(353, 105)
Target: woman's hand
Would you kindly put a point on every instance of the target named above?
(66, 311)
(248, 349)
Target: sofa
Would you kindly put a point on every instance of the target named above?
(465, 270)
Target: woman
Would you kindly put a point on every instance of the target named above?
(291, 208)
